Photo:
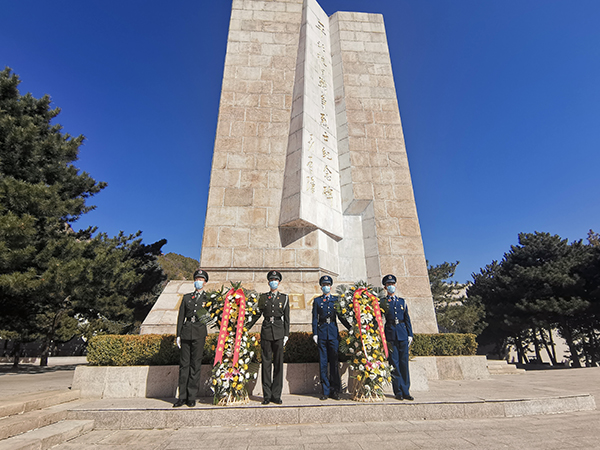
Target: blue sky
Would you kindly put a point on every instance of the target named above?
(500, 103)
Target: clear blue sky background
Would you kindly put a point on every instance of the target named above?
(500, 102)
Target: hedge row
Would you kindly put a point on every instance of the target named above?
(160, 349)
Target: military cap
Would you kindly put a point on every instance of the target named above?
(201, 274)
(388, 279)
(274, 275)
(325, 279)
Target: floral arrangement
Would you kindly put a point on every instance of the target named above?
(365, 345)
(234, 353)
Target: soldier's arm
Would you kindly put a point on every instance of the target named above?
(407, 320)
(286, 316)
(180, 316)
(315, 318)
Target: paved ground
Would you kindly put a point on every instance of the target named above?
(572, 431)
(580, 430)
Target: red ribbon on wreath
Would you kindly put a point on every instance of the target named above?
(240, 299)
(376, 312)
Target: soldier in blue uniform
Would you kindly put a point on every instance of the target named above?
(399, 336)
(326, 336)
(275, 309)
(191, 334)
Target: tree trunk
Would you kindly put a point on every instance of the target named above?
(545, 342)
(48, 342)
(17, 354)
(566, 333)
(536, 345)
(552, 344)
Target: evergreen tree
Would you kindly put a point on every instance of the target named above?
(455, 313)
(48, 272)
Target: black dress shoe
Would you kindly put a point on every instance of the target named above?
(335, 396)
(277, 400)
(408, 397)
(399, 397)
(265, 402)
(191, 404)
(323, 397)
(178, 403)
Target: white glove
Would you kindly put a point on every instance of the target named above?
(410, 339)
(178, 340)
(316, 339)
(285, 339)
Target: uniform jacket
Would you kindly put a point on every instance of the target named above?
(397, 320)
(191, 304)
(323, 310)
(276, 306)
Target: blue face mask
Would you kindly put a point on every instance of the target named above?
(199, 284)
(326, 289)
(391, 289)
(273, 284)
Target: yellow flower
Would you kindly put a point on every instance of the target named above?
(343, 310)
(389, 378)
(209, 303)
(245, 329)
(348, 341)
(235, 378)
(381, 358)
(229, 329)
(234, 384)
(380, 379)
(239, 387)
(358, 377)
(355, 361)
(245, 366)
(212, 347)
(363, 361)
(215, 381)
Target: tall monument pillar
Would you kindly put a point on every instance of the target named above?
(309, 173)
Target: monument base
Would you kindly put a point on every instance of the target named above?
(161, 381)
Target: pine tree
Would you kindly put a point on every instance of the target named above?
(48, 272)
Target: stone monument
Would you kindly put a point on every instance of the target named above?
(309, 174)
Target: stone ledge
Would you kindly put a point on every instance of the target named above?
(159, 414)
(161, 381)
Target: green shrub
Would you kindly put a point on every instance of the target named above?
(447, 344)
(160, 349)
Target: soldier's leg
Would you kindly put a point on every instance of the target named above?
(266, 368)
(197, 348)
(334, 365)
(394, 359)
(184, 368)
(277, 386)
(323, 367)
(404, 379)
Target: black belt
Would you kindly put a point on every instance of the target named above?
(272, 319)
(326, 320)
(192, 319)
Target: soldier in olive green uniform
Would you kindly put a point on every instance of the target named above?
(275, 309)
(191, 334)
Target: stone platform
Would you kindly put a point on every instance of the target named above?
(143, 423)
(532, 393)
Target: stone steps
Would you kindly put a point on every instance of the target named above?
(501, 367)
(48, 436)
(38, 420)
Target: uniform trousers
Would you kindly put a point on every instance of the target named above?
(398, 351)
(272, 368)
(190, 362)
(328, 355)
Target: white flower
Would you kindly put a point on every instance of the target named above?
(372, 376)
(361, 367)
(247, 375)
(351, 350)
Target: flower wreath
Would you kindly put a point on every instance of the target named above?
(233, 367)
(366, 345)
